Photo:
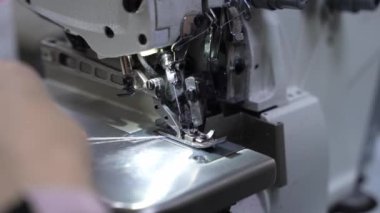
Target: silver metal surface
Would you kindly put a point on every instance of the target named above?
(160, 175)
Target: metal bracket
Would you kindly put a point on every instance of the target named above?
(256, 134)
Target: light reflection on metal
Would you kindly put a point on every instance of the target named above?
(149, 52)
(164, 180)
(132, 139)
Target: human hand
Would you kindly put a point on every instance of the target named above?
(40, 146)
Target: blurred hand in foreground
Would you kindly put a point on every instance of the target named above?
(40, 146)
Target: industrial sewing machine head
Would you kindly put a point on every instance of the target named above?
(192, 57)
(214, 69)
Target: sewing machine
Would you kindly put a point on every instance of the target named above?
(201, 88)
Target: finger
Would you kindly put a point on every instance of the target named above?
(19, 79)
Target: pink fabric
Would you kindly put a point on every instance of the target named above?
(64, 201)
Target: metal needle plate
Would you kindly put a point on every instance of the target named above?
(159, 175)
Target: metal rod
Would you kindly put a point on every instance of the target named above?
(126, 66)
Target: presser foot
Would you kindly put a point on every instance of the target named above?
(193, 141)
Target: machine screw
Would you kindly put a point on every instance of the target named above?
(199, 159)
(150, 85)
(154, 83)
